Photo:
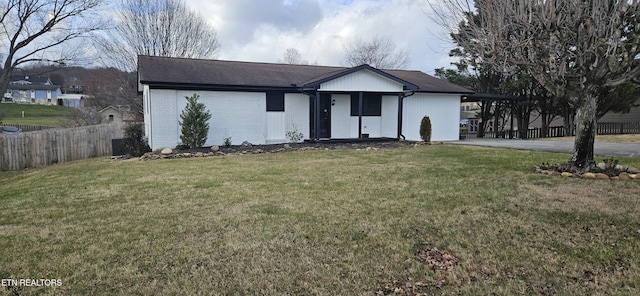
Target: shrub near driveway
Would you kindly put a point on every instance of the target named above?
(321, 222)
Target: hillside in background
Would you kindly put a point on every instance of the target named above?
(109, 86)
(53, 116)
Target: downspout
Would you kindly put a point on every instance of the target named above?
(400, 113)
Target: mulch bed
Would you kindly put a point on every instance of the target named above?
(247, 148)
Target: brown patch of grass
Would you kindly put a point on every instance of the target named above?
(580, 196)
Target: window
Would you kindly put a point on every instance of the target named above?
(110, 117)
(371, 104)
(275, 101)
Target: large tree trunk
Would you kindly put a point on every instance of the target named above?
(5, 76)
(582, 157)
(485, 115)
(568, 119)
(524, 115)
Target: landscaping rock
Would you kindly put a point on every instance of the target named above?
(623, 176)
(602, 176)
(589, 175)
(246, 144)
(199, 154)
(166, 151)
(633, 170)
(634, 176)
(215, 148)
(566, 174)
(287, 146)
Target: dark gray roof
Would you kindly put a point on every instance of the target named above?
(39, 80)
(32, 86)
(195, 73)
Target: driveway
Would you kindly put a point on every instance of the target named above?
(601, 148)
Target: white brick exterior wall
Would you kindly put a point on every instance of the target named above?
(442, 109)
(364, 80)
(242, 116)
(296, 109)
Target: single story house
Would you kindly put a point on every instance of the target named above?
(31, 90)
(261, 102)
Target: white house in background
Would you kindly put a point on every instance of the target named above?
(31, 90)
(261, 102)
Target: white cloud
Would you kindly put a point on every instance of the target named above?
(261, 31)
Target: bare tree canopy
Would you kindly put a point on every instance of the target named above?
(379, 52)
(575, 49)
(292, 56)
(37, 31)
(158, 28)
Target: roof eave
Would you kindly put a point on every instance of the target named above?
(216, 87)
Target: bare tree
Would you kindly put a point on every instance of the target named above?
(81, 116)
(379, 52)
(37, 31)
(157, 28)
(293, 57)
(574, 49)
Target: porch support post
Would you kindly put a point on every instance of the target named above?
(316, 117)
(360, 99)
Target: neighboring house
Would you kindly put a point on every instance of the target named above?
(261, 102)
(117, 114)
(32, 90)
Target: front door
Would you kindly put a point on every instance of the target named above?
(324, 122)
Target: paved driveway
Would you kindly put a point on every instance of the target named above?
(601, 148)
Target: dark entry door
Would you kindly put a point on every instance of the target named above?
(324, 122)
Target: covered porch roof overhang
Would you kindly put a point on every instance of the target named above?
(477, 97)
(315, 95)
(484, 97)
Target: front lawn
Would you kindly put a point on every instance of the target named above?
(337, 222)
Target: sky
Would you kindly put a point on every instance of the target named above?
(262, 30)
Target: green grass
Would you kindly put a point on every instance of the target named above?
(338, 222)
(33, 114)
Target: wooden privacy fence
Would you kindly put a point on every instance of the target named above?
(42, 148)
(603, 128)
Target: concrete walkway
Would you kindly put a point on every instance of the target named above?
(601, 148)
